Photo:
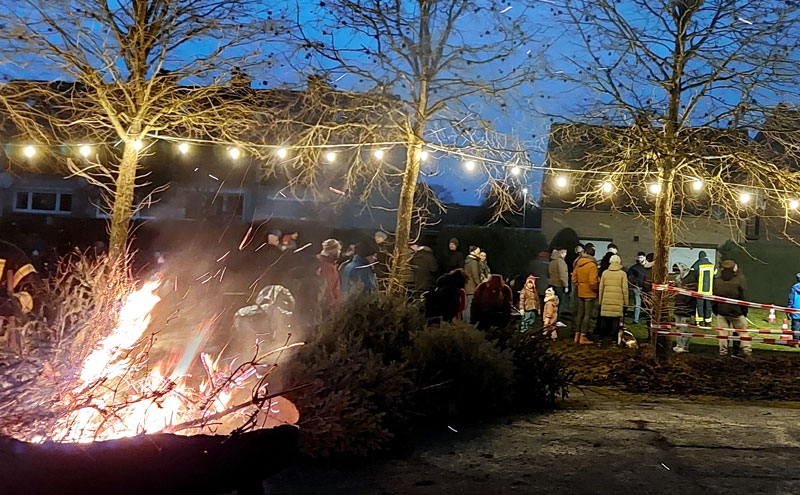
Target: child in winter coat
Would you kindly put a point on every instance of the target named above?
(528, 304)
(550, 316)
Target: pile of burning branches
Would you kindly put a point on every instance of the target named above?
(85, 371)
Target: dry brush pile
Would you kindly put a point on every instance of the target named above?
(83, 370)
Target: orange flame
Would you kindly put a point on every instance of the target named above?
(109, 401)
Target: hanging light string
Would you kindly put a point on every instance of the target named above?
(469, 161)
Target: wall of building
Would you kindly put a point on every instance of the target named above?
(631, 233)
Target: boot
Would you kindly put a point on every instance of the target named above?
(584, 340)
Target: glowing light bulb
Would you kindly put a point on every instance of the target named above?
(524, 191)
(85, 150)
(234, 152)
(29, 151)
(469, 165)
(515, 170)
(282, 152)
(378, 154)
(794, 204)
(655, 188)
(423, 155)
(330, 156)
(697, 184)
(183, 148)
(137, 145)
(745, 197)
(608, 187)
(561, 182)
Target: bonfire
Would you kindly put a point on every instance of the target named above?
(88, 372)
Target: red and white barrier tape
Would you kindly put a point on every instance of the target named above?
(716, 329)
(698, 295)
(728, 337)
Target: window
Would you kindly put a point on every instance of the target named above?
(752, 228)
(53, 202)
(213, 205)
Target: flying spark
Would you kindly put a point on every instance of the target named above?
(340, 193)
(302, 248)
(246, 239)
(745, 21)
(213, 177)
(506, 9)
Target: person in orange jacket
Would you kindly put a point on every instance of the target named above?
(586, 283)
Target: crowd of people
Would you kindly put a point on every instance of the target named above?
(597, 293)
(458, 283)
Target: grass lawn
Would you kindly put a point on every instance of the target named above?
(757, 319)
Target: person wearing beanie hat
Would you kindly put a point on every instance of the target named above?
(550, 314)
(453, 259)
(794, 303)
(528, 304)
(731, 284)
(328, 272)
(613, 297)
(359, 274)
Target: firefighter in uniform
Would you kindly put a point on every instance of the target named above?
(18, 284)
(705, 285)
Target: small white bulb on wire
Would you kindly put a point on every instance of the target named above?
(655, 188)
(469, 165)
(183, 148)
(137, 145)
(378, 154)
(85, 150)
(697, 184)
(234, 152)
(515, 170)
(524, 191)
(608, 187)
(282, 152)
(423, 155)
(794, 204)
(330, 156)
(561, 182)
(29, 151)
(745, 197)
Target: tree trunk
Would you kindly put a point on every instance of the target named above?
(405, 210)
(662, 231)
(123, 201)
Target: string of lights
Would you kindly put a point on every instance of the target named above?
(469, 162)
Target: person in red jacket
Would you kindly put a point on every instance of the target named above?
(330, 285)
(492, 304)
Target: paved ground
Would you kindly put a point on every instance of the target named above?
(602, 441)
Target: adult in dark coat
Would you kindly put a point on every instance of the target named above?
(453, 258)
(448, 299)
(424, 268)
(731, 284)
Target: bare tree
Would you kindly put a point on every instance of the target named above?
(438, 72)
(681, 112)
(132, 70)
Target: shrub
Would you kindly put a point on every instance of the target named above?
(460, 372)
(540, 375)
(355, 386)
